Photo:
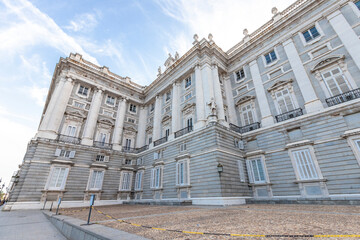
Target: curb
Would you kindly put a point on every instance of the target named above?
(74, 229)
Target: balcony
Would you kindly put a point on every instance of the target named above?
(129, 149)
(68, 139)
(160, 141)
(183, 131)
(246, 128)
(288, 115)
(139, 150)
(344, 97)
(103, 145)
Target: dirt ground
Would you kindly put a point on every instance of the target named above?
(244, 219)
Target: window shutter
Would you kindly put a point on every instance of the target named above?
(137, 180)
(106, 159)
(241, 171)
(249, 170)
(177, 173)
(64, 178)
(289, 103)
(72, 154)
(161, 177)
(57, 152)
(186, 172)
(92, 180)
(152, 178)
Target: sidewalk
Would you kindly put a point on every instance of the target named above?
(27, 225)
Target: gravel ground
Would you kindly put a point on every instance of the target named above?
(245, 219)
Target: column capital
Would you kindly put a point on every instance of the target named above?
(252, 63)
(287, 42)
(334, 14)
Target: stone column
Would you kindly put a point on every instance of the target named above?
(266, 117)
(119, 125)
(49, 110)
(140, 139)
(92, 117)
(218, 95)
(230, 101)
(157, 119)
(208, 87)
(312, 102)
(199, 94)
(175, 112)
(346, 34)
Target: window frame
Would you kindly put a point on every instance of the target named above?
(154, 180)
(240, 79)
(184, 178)
(131, 108)
(123, 174)
(253, 112)
(355, 147)
(273, 62)
(81, 94)
(250, 170)
(355, 9)
(109, 104)
(277, 99)
(186, 80)
(314, 40)
(241, 169)
(330, 69)
(64, 180)
(139, 186)
(89, 188)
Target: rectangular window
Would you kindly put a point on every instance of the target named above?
(247, 114)
(183, 147)
(241, 171)
(311, 34)
(158, 155)
(240, 74)
(100, 158)
(256, 171)
(168, 96)
(188, 96)
(305, 165)
(138, 180)
(132, 108)
(128, 162)
(189, 123)
(131, 120)
(357, 3)
(139, 161)
(270, 57)
(96, 180)
(126, 181)
(107, 113)
(335, 81)
(110, 100)
(182, 173)
(102, 137)
(357, 142)
(187, 82)
(127, 144)
(83, 91)
(71, 131)
(284, 101)
(156, 177)
(152, 107)
(167, 132)
(79, 105)
(150, 140)
(58, 178)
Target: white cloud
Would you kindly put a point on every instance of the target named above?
(38, 93)
(85, 22)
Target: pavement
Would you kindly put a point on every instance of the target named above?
(27, 225)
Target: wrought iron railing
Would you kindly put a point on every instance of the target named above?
(160, 141)
(183, 131)
(102, 145)
(143, 148)
(344, 97)
(246, 128)
(235, 128)
(68, 139)
(288, 115)
(129, 149)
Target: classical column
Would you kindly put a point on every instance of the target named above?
(119, 125)
(49, 110)
(230, 101)
(157, 119)
(140, 139)
(92, 117)
(218, 95)
(175, 112)
(266, 117)
(199, 94)
(312, 102)
(346, 34)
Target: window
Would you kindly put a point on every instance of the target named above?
(247, 114)
(57, 178)
(127, 162)
(305, 165)
(182, 173)
(102, 137)
(270, 57)
(158, 155)
(83, 90)
(131, 120)
(100, 158)
(139, 161)
(256, 171)
(354, 142)
(357, 4)
(167, 109)
(71, 131)
(189, 123)
(183, 147)
(187, 82)
(132, 108)
(107, 113)
(188, 96)
(110, 100)
(64, 153)
(127, 144)
(79, 105)
(152, 107)
(239, 144)
(96, 180)
(240, 74)
(241, 170)
(357, 142)
(168, 96)
(156, 177)
(167, 133)
(335, 81)
(138, 180)
(150, 140)
(311, 34)
(284, 101)
(125, 183)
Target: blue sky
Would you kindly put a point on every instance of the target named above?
(132, 38)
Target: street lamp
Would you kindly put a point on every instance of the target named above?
(220, 168)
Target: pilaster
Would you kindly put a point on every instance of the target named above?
(140, 139)
(157, 119)
(119, 125)
(175, 118)
(218, 95)
(199, 94)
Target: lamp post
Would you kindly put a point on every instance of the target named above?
(220, 169)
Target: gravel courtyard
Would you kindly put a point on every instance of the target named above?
(244, 219)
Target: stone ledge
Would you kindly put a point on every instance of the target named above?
(75, 229)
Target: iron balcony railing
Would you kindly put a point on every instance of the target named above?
(68, 139)
(160, 141)
(288, 115)
(244, 129)
(146, 147)
(183, 131)
(102, 145)
(344, 97)
(129, 149)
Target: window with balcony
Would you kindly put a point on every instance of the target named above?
(187, 82)
(284, 101)
(125, 182)
(110, 100)
(57, 178)
(96, 179)
(256, 170)
(247, 114)
(127, 143)
(182, 172)
(83, 91)
(132, 108)
(156, 177)
(270, 57)
(335, 81)
(240, 74)
(311, 34)
(71, 131)
(138, 180)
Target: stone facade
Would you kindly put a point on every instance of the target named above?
(275, 118)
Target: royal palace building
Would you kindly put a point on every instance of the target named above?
(274, 119)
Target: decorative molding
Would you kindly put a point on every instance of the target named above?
(280, 84)
(166, 118)
(255, 153)
(106, 121)
(182, 157)
(352, 132)
(66, 162)
(329, 60)
(299, 144)
(244, 100)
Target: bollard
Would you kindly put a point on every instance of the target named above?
(44, 205)
(92, 198)
(51, 206)
(57, 209)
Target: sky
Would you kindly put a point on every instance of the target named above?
(132, 38)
